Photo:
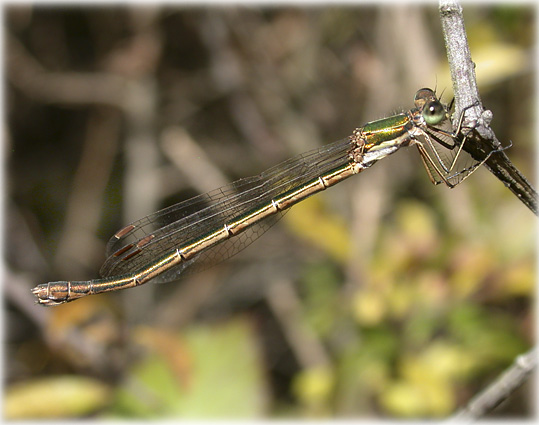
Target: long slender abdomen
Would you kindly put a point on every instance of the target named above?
(55, 293)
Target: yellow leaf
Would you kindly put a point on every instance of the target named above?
(518, 280)
(494, 62)
(404, 399)
(369, 307)
(498, 61)
(471, 264)
(441, 360)
(313, 222)
(417, 227)
(55, 397)
(431, 397)
(314, 386)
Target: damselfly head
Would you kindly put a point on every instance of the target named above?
(432, 110)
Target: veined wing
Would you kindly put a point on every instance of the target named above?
(159, 234)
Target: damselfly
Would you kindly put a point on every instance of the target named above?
(201, 231)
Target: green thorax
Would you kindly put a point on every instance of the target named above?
(377, 133)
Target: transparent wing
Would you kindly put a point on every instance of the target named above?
(220, 252)
(158, 234)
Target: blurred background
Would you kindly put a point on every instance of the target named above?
(384, 297)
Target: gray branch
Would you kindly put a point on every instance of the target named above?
(460, 60)
(500, 389)
(467, 94)
(484, 142)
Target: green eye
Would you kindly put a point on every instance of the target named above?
(433, 113)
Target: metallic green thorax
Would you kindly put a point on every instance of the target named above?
(378, 133)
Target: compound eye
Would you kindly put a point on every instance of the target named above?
(422, 96)
(433, 113)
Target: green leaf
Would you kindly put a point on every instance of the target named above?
(208, 371)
